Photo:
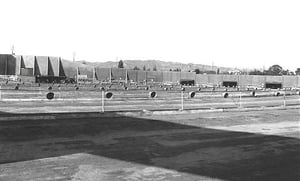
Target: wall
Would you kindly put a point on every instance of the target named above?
(201, 79)
(258, 80)
(118, 74)
(245, 80)
(53, 64)
(167, 76)
(132, 75)
(154, 76)
(231, 78)
(215, 79)
(102, 74)
(175, 77)
(8, 64)
(141, 76)
(188, 75)
(27, 61)
(274, 79)
(69, 68)
(86, 71)
(3, 64)
(41, 65)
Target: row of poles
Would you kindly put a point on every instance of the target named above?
(153, 94)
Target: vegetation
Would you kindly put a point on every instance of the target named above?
(120, 64)
(136, 68)
(198, 71)
(275, 70)
(154, 68)
(177, 70)
(297, 71)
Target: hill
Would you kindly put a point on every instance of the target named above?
(160, 65)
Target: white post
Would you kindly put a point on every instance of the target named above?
(0, 93)
(59, 92)
(110, 75)
(93, 75)
(284, 99)
(6, 65)
(126, 77)
(182, 100)
(102, 100)
(240, 99)
(58, 63)
(77, 72)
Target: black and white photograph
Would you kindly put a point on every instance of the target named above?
(140, 90)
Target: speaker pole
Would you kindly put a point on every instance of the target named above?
(126, 77)
(102, 100)
(284, 99)
(182, 100)
(240, 99)
(59, 92)
(93, 74)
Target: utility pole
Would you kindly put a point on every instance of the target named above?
(74, 55)
(13, 50)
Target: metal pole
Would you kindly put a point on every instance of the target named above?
(146, 77)
(126, 76)
(182, 100)
(284, 99)
(102, 100)
(93, 75)
(0, 93)
(77, 72)
(110, 75)
(240, 99)
(59, 92)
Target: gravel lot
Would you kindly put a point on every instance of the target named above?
(255, 145)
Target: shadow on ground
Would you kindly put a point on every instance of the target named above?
(201, 151)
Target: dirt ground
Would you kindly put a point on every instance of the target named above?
(255, 145)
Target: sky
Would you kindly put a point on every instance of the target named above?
(231, 33)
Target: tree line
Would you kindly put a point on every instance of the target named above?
(275, 70)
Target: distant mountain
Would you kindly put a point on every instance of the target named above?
(160, 65)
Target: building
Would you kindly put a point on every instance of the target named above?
(55, 69)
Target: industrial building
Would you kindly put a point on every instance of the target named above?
(55, 69)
